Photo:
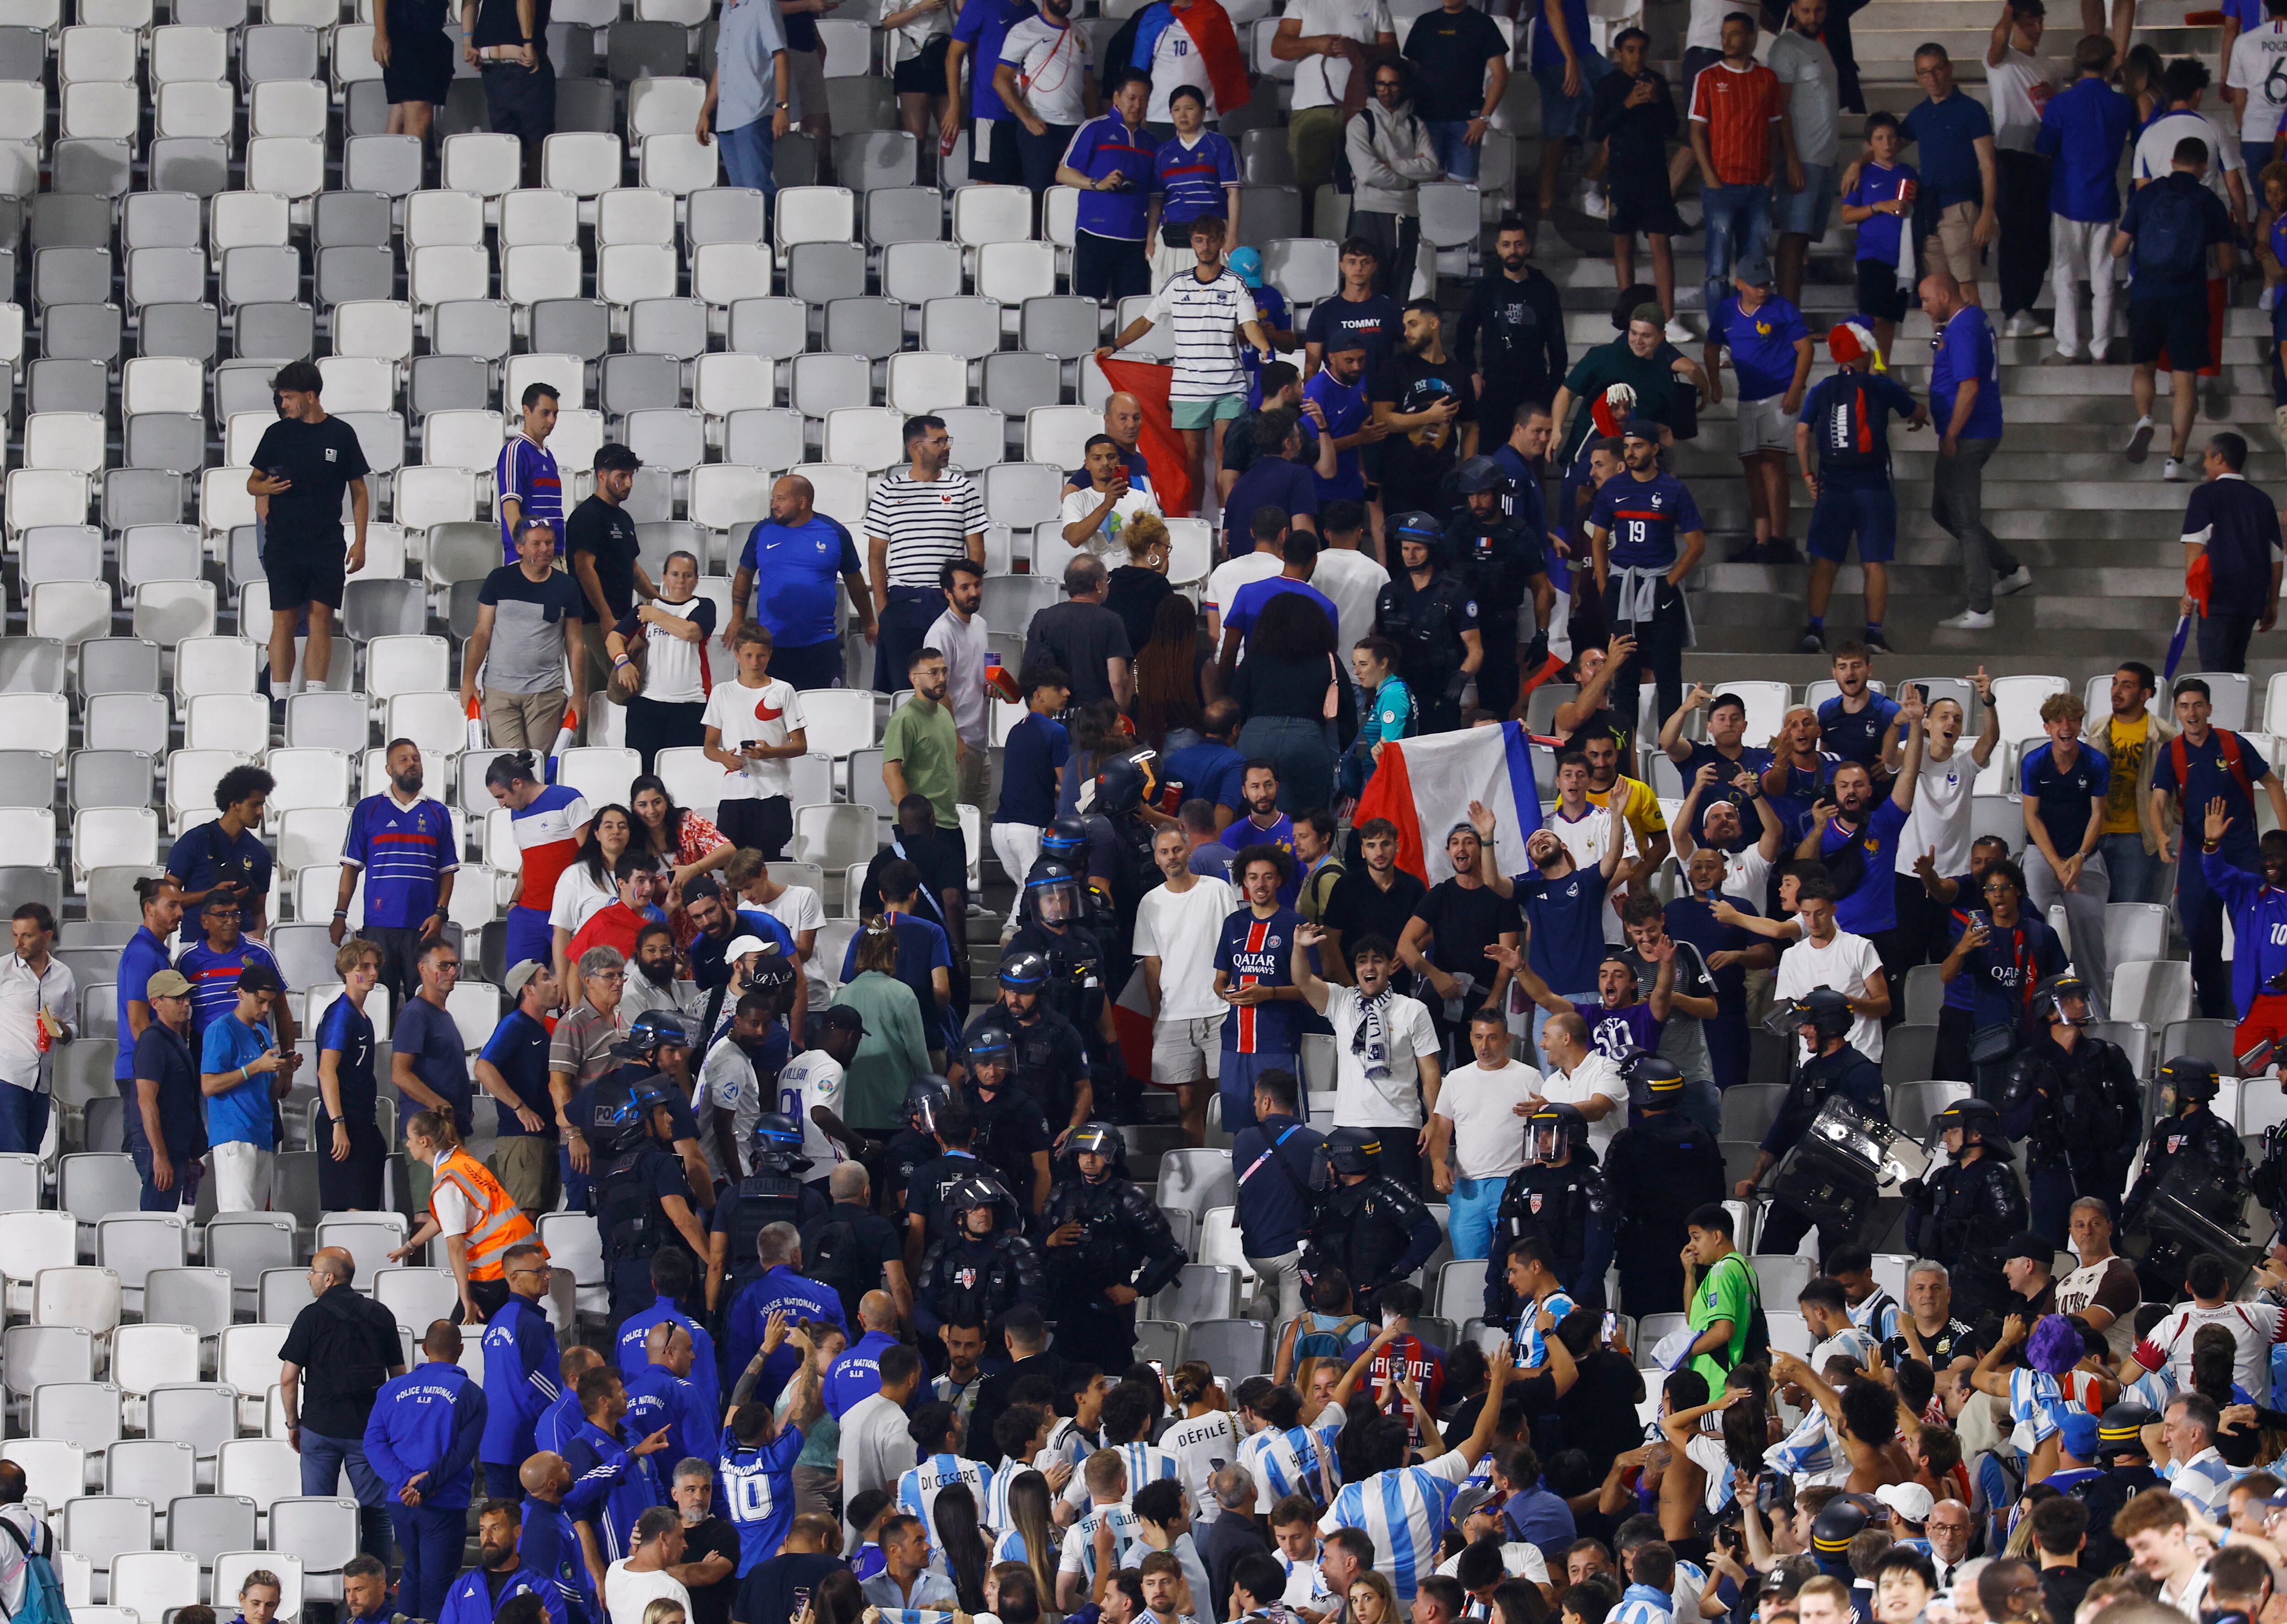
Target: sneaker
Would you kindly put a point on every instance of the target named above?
(2139, 440)
(1968, 620)
(1677, 332)
(2173, 470)
(1751, 553)
(2025, 324)
(2270, 299)
(1591, 202)
(2065, 358)
(1779, 550)
(2016, 581)
(1875, 642)
(1814, 641)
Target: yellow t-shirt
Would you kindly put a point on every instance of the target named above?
(2126, 743)
(1640, 807)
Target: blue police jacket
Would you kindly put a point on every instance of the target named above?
(429, 1420)
(780, 1287)
(470, 1601)
(610, 1487)
(558, 1422)
(703, 1376)
(857, 1375)
(550, 1546)
(658, 1397)
(522, 1364)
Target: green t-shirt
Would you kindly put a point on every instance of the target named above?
(1726, 1292)
(1653, 380)
(920, 740)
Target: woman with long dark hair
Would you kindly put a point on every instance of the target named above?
(1297, 700)
(1096, 737)
(1031, 1537)
(679, 841)
(586, 888)
(1168, 705)
(962, 1545)
(839, 1599)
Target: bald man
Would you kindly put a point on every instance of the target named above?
(1123, 420)
(333, 1362)
(802, 552)
(1965, 408)
(879, 1243)
(549, 1543)
(660, 1393)
(857, 1375)
(421, 1439)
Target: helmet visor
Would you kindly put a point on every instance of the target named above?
(1054, 902)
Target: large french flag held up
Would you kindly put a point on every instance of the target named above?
(1425, 784)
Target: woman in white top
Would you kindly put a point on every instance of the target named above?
(919, 31)
(659, 664)
(585, 888)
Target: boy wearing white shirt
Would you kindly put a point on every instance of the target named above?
(1474, 1142)
(1178, 925)
(1385, 1049)
(959, 635)
(755, 726)
(1829, 957)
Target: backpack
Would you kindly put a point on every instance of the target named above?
(2172, 241)
(1344, 182)
(1313, 1344)
(832, 1257)
(2178, 755)
(44, 1592)
(1757, 1348)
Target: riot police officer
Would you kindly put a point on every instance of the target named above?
(1503, 561)
(1823, 1021)
(1657, 1170)
(1120, 855)
(982, 1268)
(1055, 906)
(926, 1098)
(2128, 1472)
(1964, 1213)
(2073, 1098)
(1107, 1244)
(643, 1198)
(2210, 1165)
(1051, 1058)
(1012, 1132)
(1561, 1196)
(1368, 1225)
(1428, 612)
(773, 1193)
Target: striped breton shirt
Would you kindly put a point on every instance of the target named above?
(1206, 316)
(927, 523)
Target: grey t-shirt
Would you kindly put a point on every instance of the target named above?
(1806, 68)
(1682, 1040)
(526, 655)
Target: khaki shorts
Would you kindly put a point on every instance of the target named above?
(1951, 246)
(1764, 425)
(526, 1166)
(1187, 1050)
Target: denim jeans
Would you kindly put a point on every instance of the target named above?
(23, 1118)
(1957, 504)
(1738, 229)
(1457, 158)
(323, 1460)
(749, 152)
(1473, 1207)
(2136, 872)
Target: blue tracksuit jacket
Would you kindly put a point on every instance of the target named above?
(522, 1364)
(429, 1420)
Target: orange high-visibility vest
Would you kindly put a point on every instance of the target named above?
(501, 1223)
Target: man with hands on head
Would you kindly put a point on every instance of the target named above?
(1711, 818)
(1385, 1047)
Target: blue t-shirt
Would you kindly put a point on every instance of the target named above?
(1877, 233)
(1945, 134)
(431, 1038)
(1099, 147)
(1545, 54)
(518, 1049)
(1244, 832)
(2064, 794)
(2278, 319)
(1260, 952)
(1753, 758)
(1037, 747)
(1273, 482)
(346, 1028)
(1346, 410)
(144, 958)
(1643, 518)
(921, 949)
(1272, 311)
(797, 566)
(982, 27)
(213, 976)
(241, 1113)
(1871, 905)
(403, 850)
(1964, 352)
(1793, 803)
(1848, 414)
(2152, 284)
(2210, 775)
(1248, 603)
(1567, 921)
(1208, 770)
(1996, 978)
(204, 858)
(1858, 736)
(1761, 342)
(1192, 178)
(2084, 128)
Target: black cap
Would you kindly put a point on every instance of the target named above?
(259, 978)
(841, 1017)
(612, 458)
(2027, 1244)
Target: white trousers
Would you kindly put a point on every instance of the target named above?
(2081, 251)
(1018, 845)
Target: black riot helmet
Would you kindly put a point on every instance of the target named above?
(1826, 1012)
(1555, 1131)
(1416, 526)
(1101, 1139)
(622, 1116)
(1654, 1084)
(1052, 894)
(1844, 1519)
(1125, 783)
(990, 1039)
(777, 1144)
(1353, 1150)
(2050, 994)
(2187, 1078)
(970, 1192)
(926, 1098)
(1024, 972)
(653, 1031)
(1980, 1121)
(1066, 837)
(1479, 473)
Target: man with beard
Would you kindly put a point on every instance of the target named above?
(1261, 1029)
(1263, 824)
(1725, 749)
(501, 1573)
(1339, 388)
(651, 983)
(1423, 397)
(1374, 898)
(921, 749)
(741, 1068)
(407, 846)
(1517, 310)
(1857, 837)
(1012, 1132)
(1427, 611)
(1453, 940)
(1503, 561)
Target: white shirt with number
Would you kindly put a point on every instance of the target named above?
(1382, 1087)
(746, 716)
(2258, 66)
(1181, 930)
(812, 1079)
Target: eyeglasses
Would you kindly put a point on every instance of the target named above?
(609, 975)
(447, 967)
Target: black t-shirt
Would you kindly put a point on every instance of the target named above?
(777, 1590)
(345, 1343)
(1010, 1129)
(1414, 459)
(1600, 1411)
(319, 460)
(1453, 48)
(712, 1536)
(497, 25)
(1463, 923)
(943, 869)
(926, 1185)
(877, 1239)
(1605, 724)
(608, 533)
(1358, 907)
(1079, 638)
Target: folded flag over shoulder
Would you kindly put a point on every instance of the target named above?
(1425, 784)
(1162, 443)
(1215, 40)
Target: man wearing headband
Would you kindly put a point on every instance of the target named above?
(1843, 441)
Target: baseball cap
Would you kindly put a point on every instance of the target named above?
(841, 1017)
(740, 947)
(520, 975)
(1912, 1500)
(168, 983)
(1247, 264)
(1640, 428)
(2077, 1434)
(1755, 272)
(259, 978)
(1338, 343)
(1650, 312)
(610, 459)
(2027, 1244)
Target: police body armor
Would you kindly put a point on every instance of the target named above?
(1496, 560)
(1972, 1210)
(1423, 623)
(758, 1200)
(1361, 1229)
(629, 1221)
(1117, 1221)
(1076, 973)
(2075, 1109)
(964, 1279)
(1844, 1163)
(2195, 1206)
(2201, 1138)
(1559, 1205)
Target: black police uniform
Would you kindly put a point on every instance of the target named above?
(2203, 1137)
(2209, 1165)
(1376, 1231)
(632, 1226)
(1051, 1060)
(964, 1278)
(1498, 561)
(1077, 973)
(1426, 624)
(1856, 1079)
(931, 1183)
(1964, 1216)
(1011, 1129)
(765, 1197)
(2078, 1112)
(1568, 1206)
(1656, 1173)
(1125, 1242)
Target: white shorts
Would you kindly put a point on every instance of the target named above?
(1764, 425)
(1187, 1050)
(242, 1176)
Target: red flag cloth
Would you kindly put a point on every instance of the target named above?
(1390, 793)
(1210, 29)
(2199, 580)
(1161, 441)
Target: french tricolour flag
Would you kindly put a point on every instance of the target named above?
(1425, 784)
